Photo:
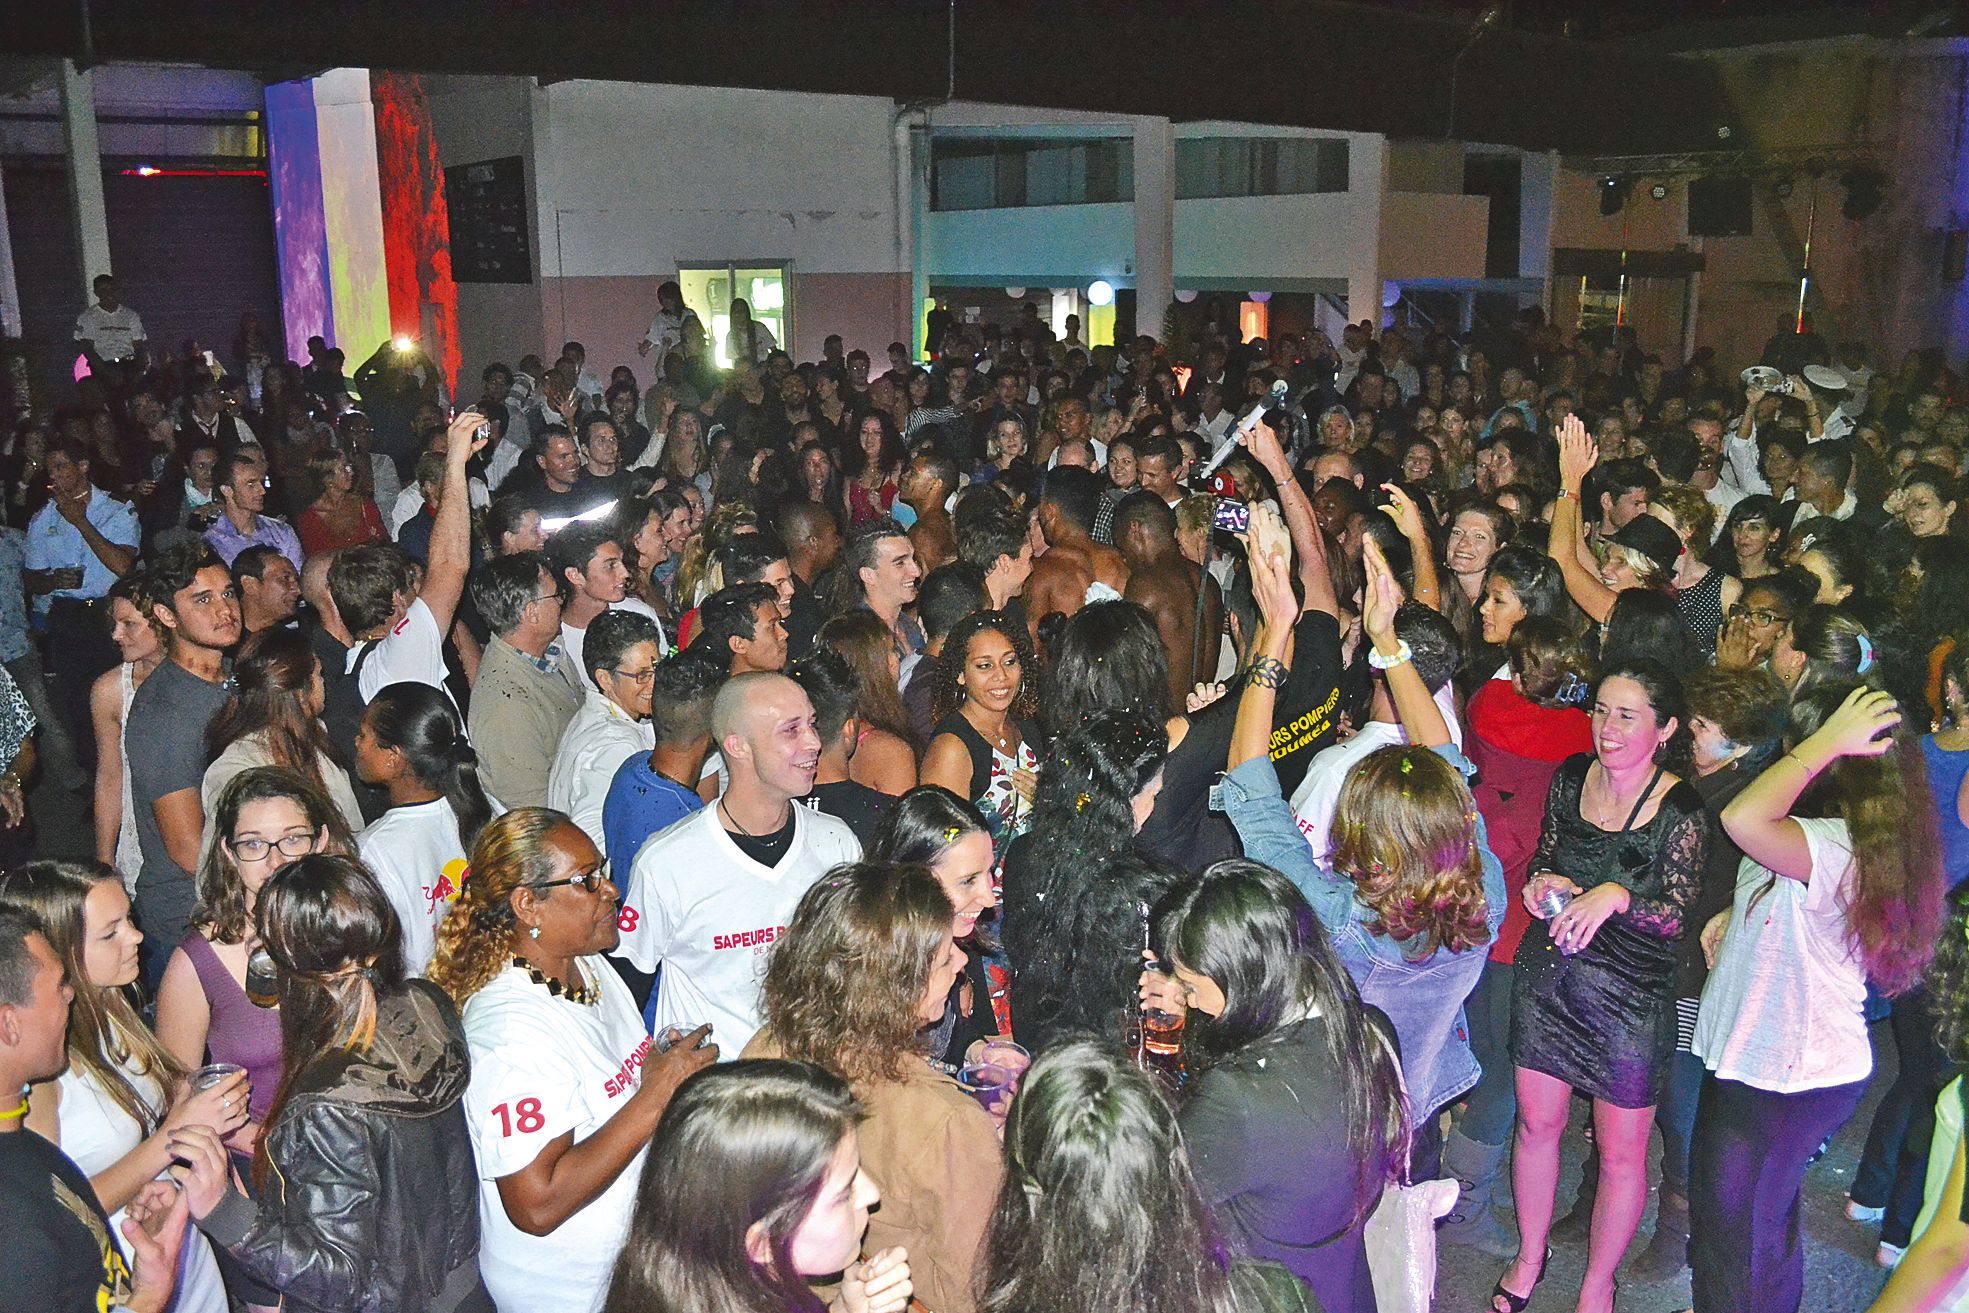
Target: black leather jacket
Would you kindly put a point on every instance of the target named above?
(372, 1203)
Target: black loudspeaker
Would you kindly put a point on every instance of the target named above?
(1719, 207)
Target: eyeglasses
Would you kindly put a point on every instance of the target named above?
(1760, 616)
(637, 677)
(544, 597)
(587, 882)
(255, 850)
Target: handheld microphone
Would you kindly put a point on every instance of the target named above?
(1273, 398)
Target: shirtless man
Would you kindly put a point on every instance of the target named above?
(1072, 562)
(1165, 582)
(927, 482)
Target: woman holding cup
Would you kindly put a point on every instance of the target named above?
(866, 964)
(122, 1098)
(1619, 862)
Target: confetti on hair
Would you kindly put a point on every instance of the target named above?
(1081, 800)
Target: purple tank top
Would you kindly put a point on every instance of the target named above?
(239, 1031)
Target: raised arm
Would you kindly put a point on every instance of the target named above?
(451, 536)
(1308, 543)
(1401, 508)
(1564, 544)
(1421, 718)
(1759, 818)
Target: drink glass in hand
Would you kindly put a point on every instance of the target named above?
(1550, 903)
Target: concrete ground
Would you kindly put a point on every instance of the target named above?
(1840, 1276)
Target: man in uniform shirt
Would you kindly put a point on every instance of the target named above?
(709, 897)
(79, 544)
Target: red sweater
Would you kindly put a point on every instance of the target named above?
(1515, 745)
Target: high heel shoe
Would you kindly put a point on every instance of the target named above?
(1516, 1303)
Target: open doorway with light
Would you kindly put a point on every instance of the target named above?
(767, 287)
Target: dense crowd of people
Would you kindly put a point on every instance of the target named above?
(1041, 827)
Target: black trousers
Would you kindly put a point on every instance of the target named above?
(1747, 1171)
(77, 648)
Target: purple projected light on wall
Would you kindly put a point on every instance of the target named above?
(299, 220)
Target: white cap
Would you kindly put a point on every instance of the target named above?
(1825, 377)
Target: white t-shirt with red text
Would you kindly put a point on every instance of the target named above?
(710, 915)
(414, 853)
(543, 1066)
(412, 652)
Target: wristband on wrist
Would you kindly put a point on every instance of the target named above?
(1268, 672)
(1568, 492)
(1402, 655)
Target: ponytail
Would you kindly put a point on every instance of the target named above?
(420, 722)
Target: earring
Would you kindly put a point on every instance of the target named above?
(534, 933)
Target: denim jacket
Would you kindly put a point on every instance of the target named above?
(1423, 999)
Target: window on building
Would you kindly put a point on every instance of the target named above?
(767, 289)
(999, 173)
(1259, 166)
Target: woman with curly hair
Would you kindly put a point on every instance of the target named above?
(986, 746)
(1415, 895)
(1078, 884)
(1841, 886)
(865, 964)
(565, 1092)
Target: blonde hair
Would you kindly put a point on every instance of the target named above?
(1405, 833)
(476, 937)
(1692, 511)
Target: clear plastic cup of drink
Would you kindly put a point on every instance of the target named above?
(215, 1073)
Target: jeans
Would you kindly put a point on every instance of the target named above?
(1491, 1106)
(1676, 1116)
(1895, 1164)
(1747, 1172)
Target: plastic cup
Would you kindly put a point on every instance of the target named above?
(991, 1085)
(215, 1073)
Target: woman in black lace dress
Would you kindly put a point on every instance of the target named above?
(1593, 1010)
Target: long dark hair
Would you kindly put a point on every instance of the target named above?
(740, 1144)
(1108, 657)
(1246, 927)
(1895, 908)
(271, 680)
(890, 453)
(923, 825)
(336, 946)
(1100, 1212)
(1539, 586)
(1089, 782)
(420, 722)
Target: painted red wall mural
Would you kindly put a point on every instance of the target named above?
(416, 226)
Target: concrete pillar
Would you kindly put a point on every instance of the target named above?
(916, 210)
(1155, 223)
(85, 176)
(1367, 183)
(1538, 174)
(10, 297)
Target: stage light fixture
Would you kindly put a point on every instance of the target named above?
(1100, 292)
(1613, 194)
